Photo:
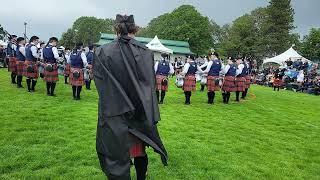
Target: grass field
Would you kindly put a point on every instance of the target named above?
(272, 135)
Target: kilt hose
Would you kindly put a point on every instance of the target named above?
(67, 70)
(34, 74)
(159, 85)
(76, 81)
(240, 84)
(277, 82)
(248, 81)
(20, 68)
(211, 83)
(12, 66)
(189, 83)
(51, 76)
(229, 84)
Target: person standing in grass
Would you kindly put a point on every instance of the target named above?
(51, 56)
(66, 72)
(78, 61)
(189, 71)
(229, 80)
(11, 55)
(162, 70)
(213, 70)
(31, 63)
(128, 108)
(240, 78)
(21, 57)
(89, 67)
(247, 76)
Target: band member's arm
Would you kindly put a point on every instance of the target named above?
(156, 66)
(55, 53)
(23, 50)
(171, 69)
(68, 59)
(239, 70)
(199, 70)
(13, 46)
(208, 67)
(185, 68)
(226, 69)
(34, 51)
(205, 64)
(84, 59)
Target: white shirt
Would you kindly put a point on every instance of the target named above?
(170, 66)
(14, 47)
(186, 68)
(40, 53)
(239, 70)
(204, 64)
(209, 67)
(83, 57)
(34, 50)
(226, 69)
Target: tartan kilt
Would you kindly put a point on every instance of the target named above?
(189, 83)
(12, 66)
(137, 148)
(51, 76)
(35, 73)
(159, 85)
(76, 82)
(229, 84)
(277, 82)
(20, 68)
(211, 84)
(248, 81)
(67, 70)
(240, 84)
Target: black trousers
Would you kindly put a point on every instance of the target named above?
(188, 97)
(50, 88)
(76, 90)
(31, 84)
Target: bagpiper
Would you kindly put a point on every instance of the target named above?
(31, 63)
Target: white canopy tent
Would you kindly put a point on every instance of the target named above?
(281, 58)
(156, 45)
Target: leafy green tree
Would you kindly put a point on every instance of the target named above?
(184, 23)
(86, 30)
(311, 45)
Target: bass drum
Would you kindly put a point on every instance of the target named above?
(61, 69)
(86, 74)
(179, 81)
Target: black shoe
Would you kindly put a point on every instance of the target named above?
(20, 86)
(161, 102)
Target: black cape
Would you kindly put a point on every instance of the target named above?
(125, 80)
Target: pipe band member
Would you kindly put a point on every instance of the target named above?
(21, 57)
(162, 69)
(31, 63)
(128, 109)
(247, 76)
(67, 67)
(11, 55)
(228, 85)
(213, 70)
(78, 61)
(189, 70)
(240, 78)
(89, 67)
(51, 57)
(204, 67)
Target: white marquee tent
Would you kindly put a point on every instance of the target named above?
(156, 45)
(281, 58)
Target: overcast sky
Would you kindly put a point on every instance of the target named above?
(48, 18)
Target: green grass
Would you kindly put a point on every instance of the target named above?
(272, 135)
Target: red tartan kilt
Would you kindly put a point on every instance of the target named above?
(74, 81)
(240, 84)
(277, 82)
(248, 81)
(35, 73)
(67, 70)
(12, 65)
(20, 68)
(211, 85)
(137, 148)
(229, 84)
(51, 76)
(189, 83)
(159, 86)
